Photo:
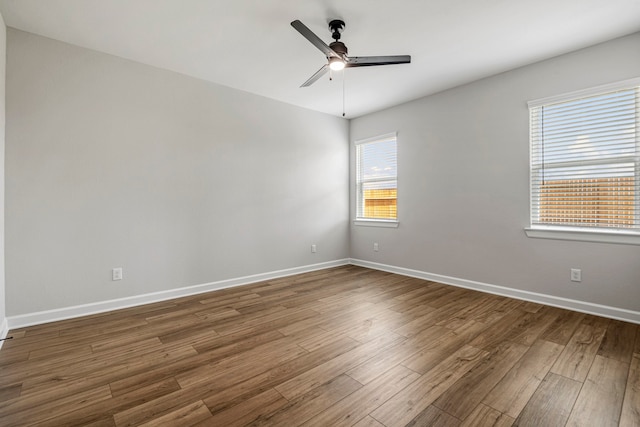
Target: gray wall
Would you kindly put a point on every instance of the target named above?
(463, 172)
(182, 182)
(3, 56)
(110, 163)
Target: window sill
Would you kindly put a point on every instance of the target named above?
(376, 223)
(582, 235)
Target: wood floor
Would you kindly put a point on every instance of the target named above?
(344, 346)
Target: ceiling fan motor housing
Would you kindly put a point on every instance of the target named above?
(339, 48)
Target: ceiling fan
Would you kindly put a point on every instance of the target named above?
(336, 52)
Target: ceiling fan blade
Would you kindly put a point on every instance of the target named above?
(315, 40)
(321, 72)
(367, 61)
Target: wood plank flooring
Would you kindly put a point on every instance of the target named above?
(337, 347)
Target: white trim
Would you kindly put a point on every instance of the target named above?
(30, 319)
(4, 330)
(379, 138)
(597, 90)
(376, 223)
(47, 316)
(575, 305)
(580, 235)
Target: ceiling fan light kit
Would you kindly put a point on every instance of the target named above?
(336, 52)
(336, 64)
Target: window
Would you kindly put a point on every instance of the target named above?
(585, 161)
(376, 179)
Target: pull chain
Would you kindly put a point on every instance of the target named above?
(344, 78)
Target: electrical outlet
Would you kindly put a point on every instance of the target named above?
(376, 247)
(116, 273)
(576, 275)
(313, 249)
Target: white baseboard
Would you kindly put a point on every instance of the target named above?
(4, 330)
(30, 319)
(569, 304)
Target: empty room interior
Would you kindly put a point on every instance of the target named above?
(320, 213)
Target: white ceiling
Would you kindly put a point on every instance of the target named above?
(249, 44)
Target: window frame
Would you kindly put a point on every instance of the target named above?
(366, 221)
(588, 234)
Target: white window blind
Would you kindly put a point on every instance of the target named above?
(585, 159)
(376, 178)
